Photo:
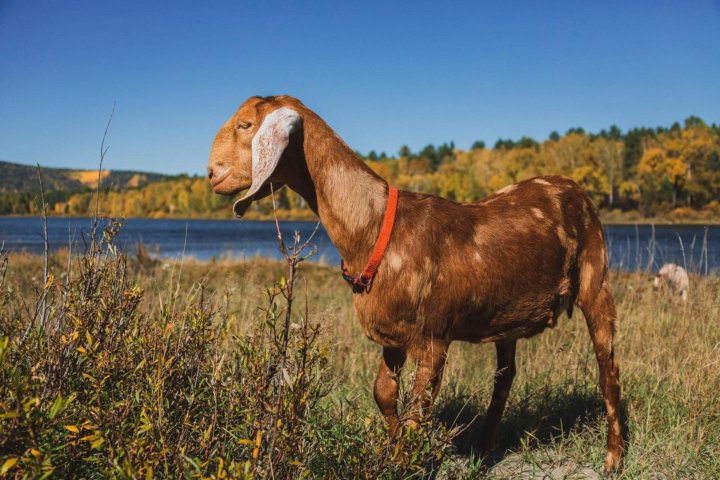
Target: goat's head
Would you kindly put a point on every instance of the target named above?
(256, 147)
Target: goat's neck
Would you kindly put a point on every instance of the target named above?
(350, 198)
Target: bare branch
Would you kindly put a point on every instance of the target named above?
(46, 248)
(103, 152)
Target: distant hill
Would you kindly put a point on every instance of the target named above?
(17, 178)
(667, 174)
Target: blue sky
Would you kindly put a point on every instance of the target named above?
(382, 74)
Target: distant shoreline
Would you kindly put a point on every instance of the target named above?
(281, 217)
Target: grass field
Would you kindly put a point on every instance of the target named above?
(151, 368)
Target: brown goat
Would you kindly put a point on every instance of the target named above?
(496, 270)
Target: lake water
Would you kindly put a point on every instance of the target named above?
(632, 247)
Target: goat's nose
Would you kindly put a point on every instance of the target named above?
(210, 173)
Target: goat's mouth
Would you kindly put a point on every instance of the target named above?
(215, 182)
(228, 186)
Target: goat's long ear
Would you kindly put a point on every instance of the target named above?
(268, 145)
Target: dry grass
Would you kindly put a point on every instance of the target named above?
(554, 425)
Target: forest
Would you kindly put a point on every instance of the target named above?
(670, 174)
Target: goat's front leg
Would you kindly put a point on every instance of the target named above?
(430, 360)
(504, 375)
(386, 385)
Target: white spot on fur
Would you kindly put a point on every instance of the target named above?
(541, 181)
(507, 189)
(537, 213)
(419, 285)
(394, 261)
(479, 236)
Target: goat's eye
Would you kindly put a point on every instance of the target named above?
(244, 125)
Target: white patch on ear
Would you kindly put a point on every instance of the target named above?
(271, 139)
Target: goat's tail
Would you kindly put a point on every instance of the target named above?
(594, 275)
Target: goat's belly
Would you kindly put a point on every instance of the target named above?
(505, 326)
(523, 331)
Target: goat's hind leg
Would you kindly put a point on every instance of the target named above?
(387, 386)
(504, 375)
(601, 316)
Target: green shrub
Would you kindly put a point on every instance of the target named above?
(98, 381)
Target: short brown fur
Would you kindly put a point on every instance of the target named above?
(496, 270)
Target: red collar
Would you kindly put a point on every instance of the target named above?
(362, 280)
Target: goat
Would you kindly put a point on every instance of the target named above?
(675, 278)
(496, 270)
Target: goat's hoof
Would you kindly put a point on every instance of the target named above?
(613, 463)
(483, 455)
